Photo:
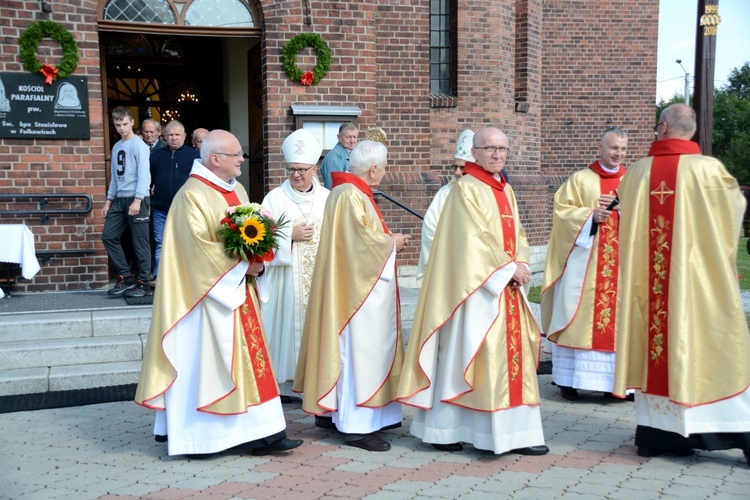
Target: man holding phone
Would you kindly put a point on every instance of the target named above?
(579, 293)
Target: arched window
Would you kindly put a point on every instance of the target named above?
(195, 13)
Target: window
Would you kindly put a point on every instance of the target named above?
(442, 48)
(205, 13)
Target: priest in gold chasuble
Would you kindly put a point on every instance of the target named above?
(682, 340)
(579, 291)
(206, 367)
(352, 348)
(471, 363)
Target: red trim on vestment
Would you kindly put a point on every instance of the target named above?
(513, 337)
(607, 267)
(338, 178)
(662, 187)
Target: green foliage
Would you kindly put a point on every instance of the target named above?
(535, 294)
(299, 42)
(743, 264)
(731, 133)
(29, 44)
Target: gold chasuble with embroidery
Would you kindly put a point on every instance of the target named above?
(579, 291)
(235, 370)
(682, 332)
(355, 246)
(478, 245)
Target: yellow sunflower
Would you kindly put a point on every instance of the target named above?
(252, 231)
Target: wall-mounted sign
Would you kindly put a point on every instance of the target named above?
(31, 109)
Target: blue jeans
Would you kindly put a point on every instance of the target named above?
(158, 220)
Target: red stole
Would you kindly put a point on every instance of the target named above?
(338, 178)
(260, 361)
(663, 182)
(608, 266)
(513, 336)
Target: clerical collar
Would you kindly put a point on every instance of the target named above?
(201, 171)
(609, 170)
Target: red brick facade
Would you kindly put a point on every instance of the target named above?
(578, 67)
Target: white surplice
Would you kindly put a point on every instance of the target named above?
(195, 432)
(289, 276)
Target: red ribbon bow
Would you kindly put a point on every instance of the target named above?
(49, 72)
(307, 78)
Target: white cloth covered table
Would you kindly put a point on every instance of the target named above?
(17, 247)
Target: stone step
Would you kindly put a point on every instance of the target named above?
(71, 351)
(39, 326)
(66, 378)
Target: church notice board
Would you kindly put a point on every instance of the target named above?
(32, 109)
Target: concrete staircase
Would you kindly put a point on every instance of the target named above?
(100, 343)
(61, 351)
(85, 340)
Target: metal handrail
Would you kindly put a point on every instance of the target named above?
(396, 202)
(44, 201)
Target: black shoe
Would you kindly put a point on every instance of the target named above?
(285, 400)
(448, 447)
(280, 445)
(139, 289)
(568, 393)
(324, 422)
(200, 456)
(672, 452)
(161, 439)
(532, 450)
(123, 284)
(370, 442)
(392, 426)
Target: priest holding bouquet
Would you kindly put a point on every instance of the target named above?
(206, 369)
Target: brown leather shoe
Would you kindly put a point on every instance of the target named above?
(371, 442)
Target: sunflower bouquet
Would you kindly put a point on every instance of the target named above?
(250, 232)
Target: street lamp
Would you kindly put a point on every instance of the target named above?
(687, 82)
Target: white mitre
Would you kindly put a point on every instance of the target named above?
(301, 147)
(464, 145)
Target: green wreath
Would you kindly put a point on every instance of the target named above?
(289, 58)
(29, 43)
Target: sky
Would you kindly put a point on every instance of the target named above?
(677, 19)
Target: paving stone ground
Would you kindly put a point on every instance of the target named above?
(106, 451)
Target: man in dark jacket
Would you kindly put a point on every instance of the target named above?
(170, 168)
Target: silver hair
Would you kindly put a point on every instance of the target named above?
(620, 133)
(366, 154)
(211, 144)
(173, 124)
(151, 120)
(680, 119)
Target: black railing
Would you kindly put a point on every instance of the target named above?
(43, 209)
(396, 202)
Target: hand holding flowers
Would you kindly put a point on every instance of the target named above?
(250, 233)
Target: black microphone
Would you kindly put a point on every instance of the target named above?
(610, 207)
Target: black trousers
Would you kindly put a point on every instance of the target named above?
(117, 220)
(657, 439)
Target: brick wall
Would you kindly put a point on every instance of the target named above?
(577, 65)
(69, 166)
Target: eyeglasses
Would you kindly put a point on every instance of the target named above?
(494, 149)
(300, 171)
(656, 128)
(454, 167)
(240, 155)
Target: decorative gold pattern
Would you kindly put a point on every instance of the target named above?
(514, 334)
(305, 255)
(607, 283)
(507, 217)
(662, 193)
(660, 232)
(710, 20)
(260, 362)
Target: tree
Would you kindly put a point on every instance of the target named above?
(731, 133)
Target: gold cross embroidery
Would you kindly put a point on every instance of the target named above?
(662, 192)
(507, 215)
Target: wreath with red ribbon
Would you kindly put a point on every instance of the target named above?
(29, 43)
(289, 58)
